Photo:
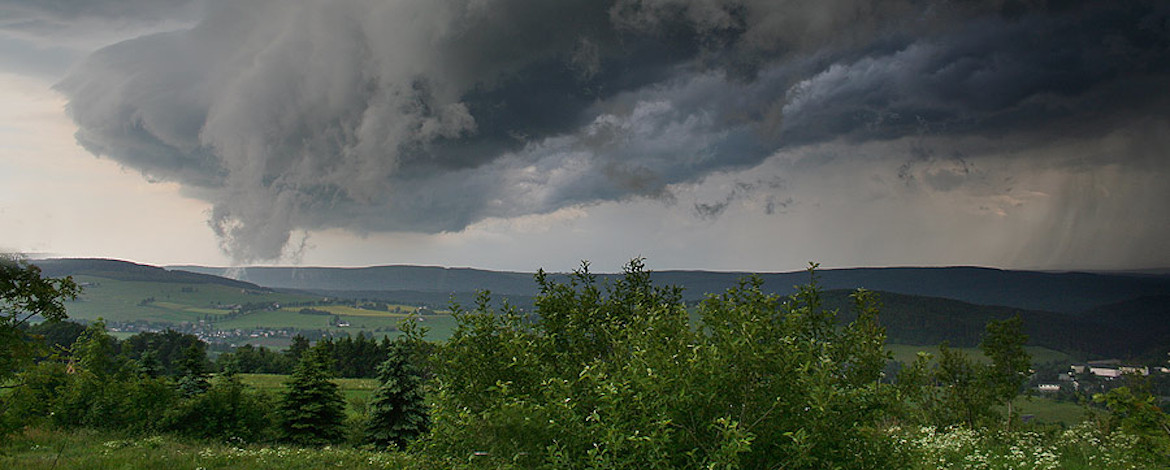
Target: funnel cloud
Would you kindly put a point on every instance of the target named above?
(430, 116)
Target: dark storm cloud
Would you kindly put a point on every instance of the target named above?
(28, 58)
(432, 115)
(44, 38)
(1034, 74)
(47, 17)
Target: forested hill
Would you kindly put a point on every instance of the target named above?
(1145, 320)
(127, 271)
(1058, 292)
(921, 320)
(1098, 314)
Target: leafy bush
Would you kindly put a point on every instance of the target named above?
(622, 377)
(226, 412)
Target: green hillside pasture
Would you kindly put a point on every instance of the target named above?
(274, 383)
(278, 319)
(117, 300)
(906, 353)
(1050, 411)
(374, 322)
(347, 310)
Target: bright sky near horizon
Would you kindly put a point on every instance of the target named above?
(752, 135)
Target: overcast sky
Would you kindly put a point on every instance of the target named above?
(750, 135)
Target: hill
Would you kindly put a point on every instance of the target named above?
(920, 320)
(1144, 320)
(1125, 315)
(133, 297)
(127, 271)
(1071, 292)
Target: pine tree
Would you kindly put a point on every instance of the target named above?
(312, 410)
(299, 345)
(148, 364)
(193, 372)
(398, 414)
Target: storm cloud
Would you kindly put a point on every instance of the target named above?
(431, 115)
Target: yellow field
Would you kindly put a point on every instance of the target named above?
(190, 309)
(354, 312)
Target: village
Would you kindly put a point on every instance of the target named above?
(1087, 378)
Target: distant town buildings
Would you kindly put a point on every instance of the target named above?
(1110, 369)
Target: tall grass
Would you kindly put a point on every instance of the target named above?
(39, 448)
(1081, 447)
(1084, 446)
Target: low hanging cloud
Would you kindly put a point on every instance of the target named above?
(431, 115)
(76, 24)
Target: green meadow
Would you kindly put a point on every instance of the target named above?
(116, 300)
(176, 303)
(907, 353)
(275, 383)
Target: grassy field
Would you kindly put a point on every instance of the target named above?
(906, 353)
(164, 302)
(117, 300)
(346, 310)
(440, 325)
(38, 448)
(1050, 411)
(274, 383)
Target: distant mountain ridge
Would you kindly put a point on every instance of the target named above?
(1112, 315)
(922, 320)
(1071, 292)
(128, 271)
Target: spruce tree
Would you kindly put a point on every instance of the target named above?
(398, 414)
(312, 411)
(193, 372)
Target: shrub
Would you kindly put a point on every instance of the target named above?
(622, 377)
(226, 412)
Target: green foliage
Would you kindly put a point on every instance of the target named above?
(33, 401)
(1010, 363)
(1084, 446)
(126, 404)
(1135, 412)
(96, 351)
(964, 395)
(619, 376)
(398, 413)
(175, 300)
(193, 372)
(226, 412)
(297, 348)
(89, 449)
(957, 389)
(176, 353)
(24, 293)
(248, 359)
(56, 335)
(354, 357)
(312, 411)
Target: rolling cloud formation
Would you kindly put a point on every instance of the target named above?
(430, 115)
